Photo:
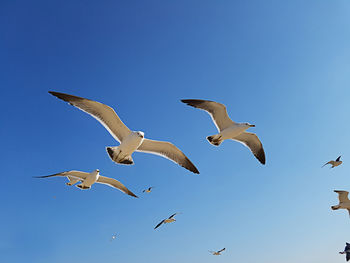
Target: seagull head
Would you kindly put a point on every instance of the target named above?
(248, 124)
(140, 134)
(97, 170)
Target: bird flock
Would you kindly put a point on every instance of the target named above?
(135, 141)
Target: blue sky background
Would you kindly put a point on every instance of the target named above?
(281, 65)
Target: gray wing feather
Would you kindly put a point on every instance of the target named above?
(101, 112)
(73, 173)
(115, 184)
(253, 143)
(216, 110)
(169, 151)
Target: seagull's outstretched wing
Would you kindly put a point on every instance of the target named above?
(253, 143)
(338, 159)
(330, 162)
(212, 251)
(221, 250)
(346, 249)
(159, 224)
(216, 110)
(170, 217)
(169, 151)
(114, 183)
(342, 195)
(74, 174)
(101, 112)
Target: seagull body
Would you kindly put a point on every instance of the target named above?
(148, 190)
(229, 129)
(346, 251)
(217, 253)
(88, 179)
(335, 163)
(113, 237)
(130, 141)
(170, 219)
(344, 202)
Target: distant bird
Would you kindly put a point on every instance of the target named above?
(113, 237)
(344, 202)
(170, 219)
(346, 251)
(217, 253)
(148, 190)
(335, 163)
(88, 179)
(130, 141)
(229, 129)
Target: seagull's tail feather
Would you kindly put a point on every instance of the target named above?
(215, 139)
(116, 155)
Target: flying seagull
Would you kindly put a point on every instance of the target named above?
(229, 129)
(148, 190)
(217, 253)
(170, 219)
(335, 163)
(346, 251)
(114, 236)
(130, 141)
(344, 202)
(88, 179)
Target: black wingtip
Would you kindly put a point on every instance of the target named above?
(261, 156)
(192, 102)
(133, 195)
(66, 97)
(190, 166)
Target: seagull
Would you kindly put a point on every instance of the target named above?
(170, 219)
(229, 129)
(130, 141)
(344, 202)
(335, 163)
(88, 179)
(346, 251)
(217, 253)
(113, 237)
(148, 190)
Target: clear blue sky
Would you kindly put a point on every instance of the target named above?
(281, 65)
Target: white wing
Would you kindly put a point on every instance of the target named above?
(169, 151)
(342, 195)
(115, 183)
(253, 143)
(74, 174)
(216, 110)
(101, 112)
